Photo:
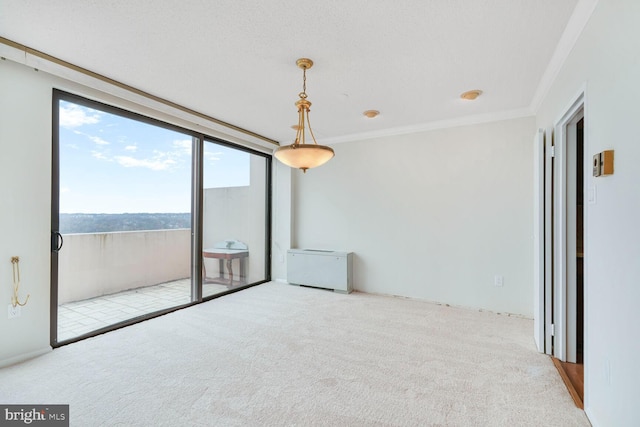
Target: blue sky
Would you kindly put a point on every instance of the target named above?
(111, 164)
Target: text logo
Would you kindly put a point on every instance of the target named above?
(34, 415)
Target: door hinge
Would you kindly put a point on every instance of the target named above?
(553, 330)
(552, 151)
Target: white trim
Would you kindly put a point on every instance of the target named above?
(560, 240)
(560, 228)
(572, 107)
(585, 251)
(24, 356)
(589, 413)
(571, 271)
(581, 14)
(548, 240)
(538, 240)
(424, 127)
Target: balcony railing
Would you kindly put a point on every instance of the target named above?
(97, 264)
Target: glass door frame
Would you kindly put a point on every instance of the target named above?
(198, 141)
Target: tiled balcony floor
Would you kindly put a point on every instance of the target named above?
(79, 317)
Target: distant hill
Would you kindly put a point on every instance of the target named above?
(100, 223)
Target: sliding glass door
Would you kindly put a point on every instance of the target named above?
(235, 218)
(129, 194)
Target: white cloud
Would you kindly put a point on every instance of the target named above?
(98, 140)
(156, 164)
(74, 116)
(65, 190)
(95, 139)
(183, 146)
(169, 160)
(99, 156)
(208, 155)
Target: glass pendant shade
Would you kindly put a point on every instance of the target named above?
(304, 156)
(299, 154)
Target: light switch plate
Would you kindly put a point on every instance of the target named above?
(591, 195)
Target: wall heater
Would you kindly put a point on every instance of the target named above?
(320, 269)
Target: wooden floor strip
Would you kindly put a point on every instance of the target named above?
(575, 387)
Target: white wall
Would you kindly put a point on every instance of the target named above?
(434, 215)
(281, 221)
(25, 197)
(95, 264)
(606, 60)
(238, 213)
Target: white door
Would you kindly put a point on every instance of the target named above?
(556, 211)
(565, 299)
(543, 241)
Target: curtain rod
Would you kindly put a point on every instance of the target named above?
(58, 61)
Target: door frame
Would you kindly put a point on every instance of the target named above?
(551, 294)
(543, 240)
(564, 319)
(571, 218)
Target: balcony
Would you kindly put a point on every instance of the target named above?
(106, 278)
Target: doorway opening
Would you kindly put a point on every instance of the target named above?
(580, 242)
(572, 370)
(560, 245)
(568, 287)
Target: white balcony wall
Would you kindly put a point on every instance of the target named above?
(92, 265)
(237, 213)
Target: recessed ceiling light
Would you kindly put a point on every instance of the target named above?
(471, 94)
(371, 113)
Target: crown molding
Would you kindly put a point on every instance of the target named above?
(581, 14)
(425, 127)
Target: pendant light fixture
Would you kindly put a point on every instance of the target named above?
(301, 155)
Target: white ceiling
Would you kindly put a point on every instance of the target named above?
(235, 59)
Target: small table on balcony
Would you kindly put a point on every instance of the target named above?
(222, 254)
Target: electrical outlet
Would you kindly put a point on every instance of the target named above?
(498, 280)
(14, 311)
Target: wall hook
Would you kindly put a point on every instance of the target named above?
(15, 261)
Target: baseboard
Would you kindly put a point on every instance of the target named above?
(22, 357)
(591, 418)
(464, 307)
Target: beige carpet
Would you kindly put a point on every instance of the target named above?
(277, 354)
